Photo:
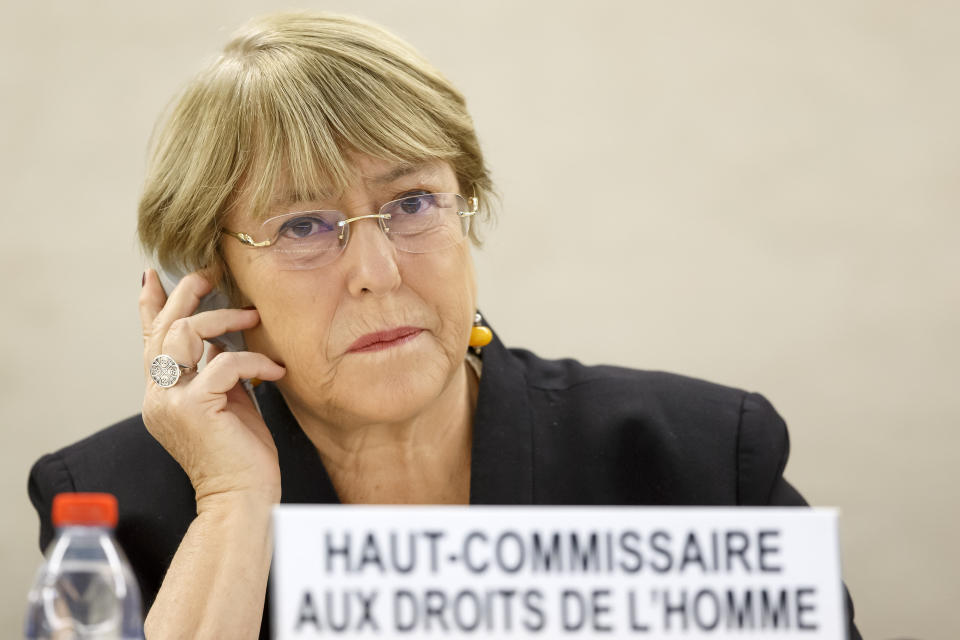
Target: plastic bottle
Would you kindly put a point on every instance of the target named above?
(85, 590)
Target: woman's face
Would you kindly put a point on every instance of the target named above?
(311, 320)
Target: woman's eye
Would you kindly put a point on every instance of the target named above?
(304, 227)
(417, 203)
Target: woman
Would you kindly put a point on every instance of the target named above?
(324, 179)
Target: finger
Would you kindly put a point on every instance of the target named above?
(227, 369)
(152, 299)
(184, 298)
(184, 339)
(213, 324)
(180, 303)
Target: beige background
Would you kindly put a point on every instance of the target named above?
(759, 193)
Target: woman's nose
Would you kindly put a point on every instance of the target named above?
(370, 259)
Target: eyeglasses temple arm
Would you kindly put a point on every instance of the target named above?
(247, 240)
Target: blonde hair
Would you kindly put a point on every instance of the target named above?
(288, 99)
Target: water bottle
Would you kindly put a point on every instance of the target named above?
(85, 590)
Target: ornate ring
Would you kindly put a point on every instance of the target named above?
(166, 371)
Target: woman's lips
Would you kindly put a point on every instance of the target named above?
(384, 339)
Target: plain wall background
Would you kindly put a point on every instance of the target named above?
(761, 194)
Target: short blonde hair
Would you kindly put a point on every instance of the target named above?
(290, 97)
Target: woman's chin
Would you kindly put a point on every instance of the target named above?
(394, 395)
(381, 404)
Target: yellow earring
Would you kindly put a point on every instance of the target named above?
(480, 336)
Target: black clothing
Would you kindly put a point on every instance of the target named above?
(545, 432)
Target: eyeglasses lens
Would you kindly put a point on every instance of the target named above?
(418, 223)
(425, 223)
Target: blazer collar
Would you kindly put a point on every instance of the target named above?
(501, 467)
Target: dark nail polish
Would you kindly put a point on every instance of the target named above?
(250, 308)
(143, 279)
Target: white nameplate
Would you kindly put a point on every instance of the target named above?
(555, 572)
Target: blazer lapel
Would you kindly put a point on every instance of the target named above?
(303, 478)
(501, 468)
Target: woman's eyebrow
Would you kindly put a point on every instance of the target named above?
(396, 173)
(286, 198)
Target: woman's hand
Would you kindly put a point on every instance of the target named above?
(206, 421)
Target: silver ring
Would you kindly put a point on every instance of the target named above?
(166, 371)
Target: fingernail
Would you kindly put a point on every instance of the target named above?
(143, 279)
(250, 308)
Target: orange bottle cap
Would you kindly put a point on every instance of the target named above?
(94, 509)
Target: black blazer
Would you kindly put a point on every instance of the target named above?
(545, 432)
